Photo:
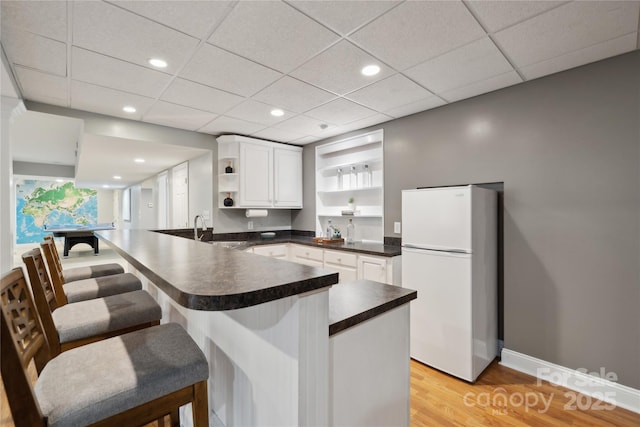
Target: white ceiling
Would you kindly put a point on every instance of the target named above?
(231, 62)
(101, 157)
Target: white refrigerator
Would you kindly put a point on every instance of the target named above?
(449, 255)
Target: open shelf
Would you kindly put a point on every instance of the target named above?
(350, 190)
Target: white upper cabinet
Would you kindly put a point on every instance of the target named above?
(267, 174)
(256, 175)
(287, 178)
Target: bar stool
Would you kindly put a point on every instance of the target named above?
(77, 273)
(85, 289)
(72, 325)
(132, 379)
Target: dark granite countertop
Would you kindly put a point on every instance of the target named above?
(289, 236)
(201, 276)
(354, 302)
(376, 249)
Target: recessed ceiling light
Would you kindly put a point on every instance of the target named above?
(276, 112)
(370, 70)
(105, 186)
(158, 63)
(117, 177)
(139, 160)
(129, 109)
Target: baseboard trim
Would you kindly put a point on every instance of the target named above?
(590, 385)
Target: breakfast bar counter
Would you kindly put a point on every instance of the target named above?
(199, 276)
(282, 348)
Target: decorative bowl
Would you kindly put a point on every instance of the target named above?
(268, 235)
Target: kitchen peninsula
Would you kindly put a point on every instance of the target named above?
(264, 325)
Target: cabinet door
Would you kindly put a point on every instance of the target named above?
(287, 178)
(372, 268)
(344, 263)
(256, 175)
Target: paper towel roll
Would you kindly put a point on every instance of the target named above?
(255, 213)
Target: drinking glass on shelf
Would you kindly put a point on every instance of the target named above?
(354, 177)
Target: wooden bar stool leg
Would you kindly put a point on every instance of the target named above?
(200, 404)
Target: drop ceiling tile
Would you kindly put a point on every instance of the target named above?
(485, 86)
(42, 87)
(257, 112)
(45, 18)
(364, 123)
(273, 34)
(115, 32)
(278, 135)
(293, 95)
(229, 125)
(496, 15)
(217, 68)
(98, 99)
(344, 16)
(476, 61)
(167, 114)
(305, 140)
(33, 51)
(340, 112)
(389, 93)
(581, 57)
(571, 27)
(337, 69)
(305, 125)
(415, 107)
(195, 95)
(195, 18)
(101, 70)
(418, 30)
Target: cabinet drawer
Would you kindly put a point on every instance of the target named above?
(340, 258)
(275, 251)
(306, 252)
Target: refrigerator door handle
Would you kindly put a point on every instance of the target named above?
(450, 250)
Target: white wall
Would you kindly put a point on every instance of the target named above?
(105, 206)
(11, 107)
(201, 188)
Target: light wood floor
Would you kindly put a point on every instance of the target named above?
(438, 399)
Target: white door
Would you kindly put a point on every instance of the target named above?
(256, 176)
(371, 268)
(180, 196)
(162, 185)
(437, 218)
(287, 178)
(441, 315)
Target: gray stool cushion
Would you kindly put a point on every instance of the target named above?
(98, 316)
(99, 270)
(92, 382)
(97, 287)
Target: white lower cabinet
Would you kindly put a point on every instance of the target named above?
(349, 265)
(380, 269)
(345, 263)
(273, 251)
(307, 255)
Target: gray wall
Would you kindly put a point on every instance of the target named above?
(567, 148)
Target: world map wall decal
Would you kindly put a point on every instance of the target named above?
(47, 203)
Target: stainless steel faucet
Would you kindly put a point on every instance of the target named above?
(195, 227)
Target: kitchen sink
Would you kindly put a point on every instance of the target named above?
(231, 244)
